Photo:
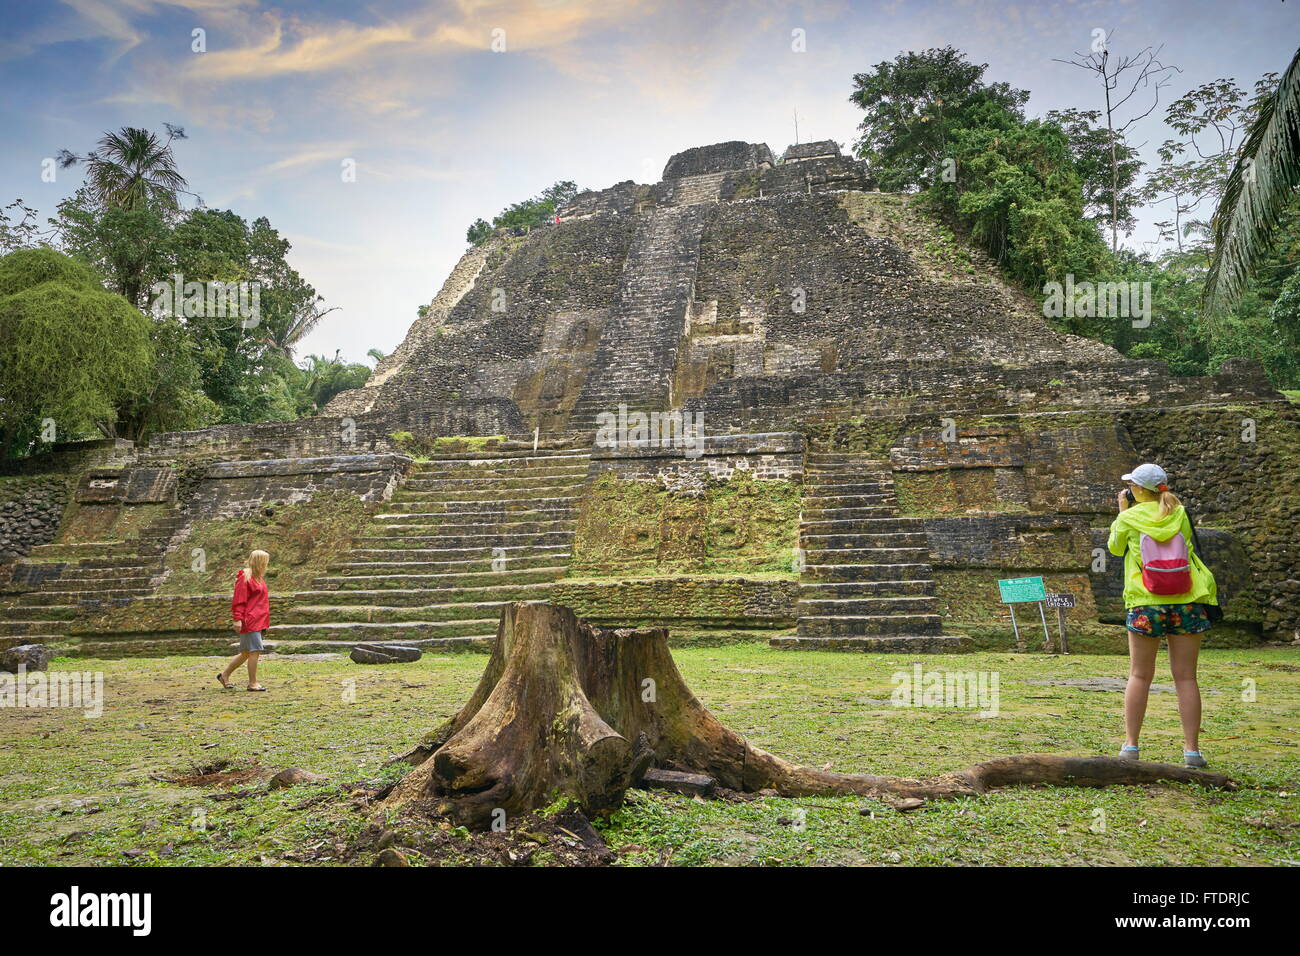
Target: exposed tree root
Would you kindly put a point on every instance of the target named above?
(565, 709)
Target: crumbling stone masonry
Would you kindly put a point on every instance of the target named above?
(887, 428)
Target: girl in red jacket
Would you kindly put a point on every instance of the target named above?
(251, 611)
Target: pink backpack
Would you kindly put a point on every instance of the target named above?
(1166, 565)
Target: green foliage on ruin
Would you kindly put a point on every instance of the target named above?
(949, 491)
(84, 522)
(422, 448)
(630, 527)
(872, 437)
(1027, 190)
(302, 539)
(525, 215)
(1181, 335)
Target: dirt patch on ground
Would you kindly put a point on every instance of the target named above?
(219, 773)
(420, 838)
(1115, 684)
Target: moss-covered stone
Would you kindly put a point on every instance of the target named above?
(736, 525)
(302, 539)
(694, 603)
(1238, 469)
(421, 448)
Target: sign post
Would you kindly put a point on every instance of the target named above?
(1024, 591)
(1061, 602)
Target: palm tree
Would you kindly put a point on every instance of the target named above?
(1257, 193)
(133, 169)
(283, 332)
(326, 377)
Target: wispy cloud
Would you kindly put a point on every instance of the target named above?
(308, 48)
(334, 153)
(444, 130)
(118, 22)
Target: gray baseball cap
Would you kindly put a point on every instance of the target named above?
(1149, 476)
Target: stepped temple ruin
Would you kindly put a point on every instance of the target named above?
(757, 400)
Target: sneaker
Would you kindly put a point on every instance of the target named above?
(1129, 753)
(1193, 759)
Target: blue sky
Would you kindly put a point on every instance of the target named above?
(443, 129)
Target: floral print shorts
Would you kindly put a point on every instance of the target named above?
(1157, 620)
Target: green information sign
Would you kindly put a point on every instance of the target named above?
(1022, 590)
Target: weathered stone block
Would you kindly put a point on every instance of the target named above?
(384, 654)
(29, 657)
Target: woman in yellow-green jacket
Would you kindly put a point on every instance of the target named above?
(1168, 591)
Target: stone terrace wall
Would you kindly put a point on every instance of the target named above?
(903, 388)
(30, 510)
(809, 176)
(1251, 488)
(1011, 543)
(155, 626)
(1034, 494)
(1035, 464)
(35, 491)
(233, 488)
(732, 510)
(684, 602)
(777, 455)
(69, 457)
(304, 438)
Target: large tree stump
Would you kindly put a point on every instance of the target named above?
(565, 709)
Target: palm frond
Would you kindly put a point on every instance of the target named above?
(132, 167)
(1258, 190)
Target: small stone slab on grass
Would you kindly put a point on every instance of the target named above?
(690, 784)
(385, 654)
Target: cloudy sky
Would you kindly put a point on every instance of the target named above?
(443, 128)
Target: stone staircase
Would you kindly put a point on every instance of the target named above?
(689, 190)
(638, 348)
(62, 582)
(866, 584)
(462, 536)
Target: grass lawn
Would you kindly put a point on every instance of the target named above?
(95, 791)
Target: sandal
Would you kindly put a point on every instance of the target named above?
(259, 687)
(223, 682)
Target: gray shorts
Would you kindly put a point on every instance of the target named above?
(252, 641)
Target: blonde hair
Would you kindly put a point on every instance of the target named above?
(257, 562)
(1169, 502)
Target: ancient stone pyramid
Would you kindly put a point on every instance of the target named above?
(750, 288)
(888, 428)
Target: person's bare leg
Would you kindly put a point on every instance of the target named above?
(234, 663)
(252, 668)
(1183, 652)
(1141, 670)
